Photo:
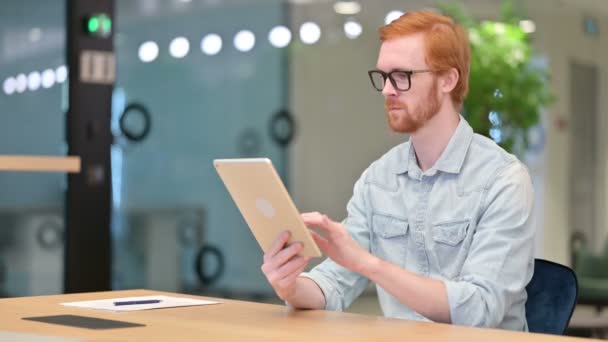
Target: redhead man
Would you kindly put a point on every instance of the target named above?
(442, 224)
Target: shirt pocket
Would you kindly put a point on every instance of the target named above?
(389, 238)
(450, 247)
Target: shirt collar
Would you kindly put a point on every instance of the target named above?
(451, 159)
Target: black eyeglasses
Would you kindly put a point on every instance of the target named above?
(400, 79)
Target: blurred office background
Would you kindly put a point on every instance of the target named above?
(285, 80)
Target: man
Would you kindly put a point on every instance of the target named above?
(442, 223)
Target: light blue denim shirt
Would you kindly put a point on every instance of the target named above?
(467, 221)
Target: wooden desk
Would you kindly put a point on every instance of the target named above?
(69, 164)
(239, 321)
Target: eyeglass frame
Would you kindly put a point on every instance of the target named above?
(389, 75)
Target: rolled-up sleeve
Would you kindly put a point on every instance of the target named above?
(501, 260)
(339, 285)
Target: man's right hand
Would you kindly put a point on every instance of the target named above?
(282, 265)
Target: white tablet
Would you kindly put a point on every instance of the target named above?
(260, 195)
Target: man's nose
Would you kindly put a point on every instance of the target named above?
(388, 89)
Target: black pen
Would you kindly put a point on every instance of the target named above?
(135, 302)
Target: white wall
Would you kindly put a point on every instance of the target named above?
(341, 117)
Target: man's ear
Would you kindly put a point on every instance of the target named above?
(449, 80)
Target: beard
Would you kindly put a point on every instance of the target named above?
(408, 121)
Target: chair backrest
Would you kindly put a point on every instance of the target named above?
(552, 296)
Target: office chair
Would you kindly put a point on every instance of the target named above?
(552, 296)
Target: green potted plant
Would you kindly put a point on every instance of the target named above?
(506, 91)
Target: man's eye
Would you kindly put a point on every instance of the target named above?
(400, 76)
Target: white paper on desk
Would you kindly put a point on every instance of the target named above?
(165, 302)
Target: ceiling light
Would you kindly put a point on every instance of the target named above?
(179, 47)
(392, 15)
(347, 7)
(148, 52)
(244, 40)
(279, 36)
(310, 33)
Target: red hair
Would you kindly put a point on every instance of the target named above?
(446, 44)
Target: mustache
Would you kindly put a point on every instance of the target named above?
(394, 104)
